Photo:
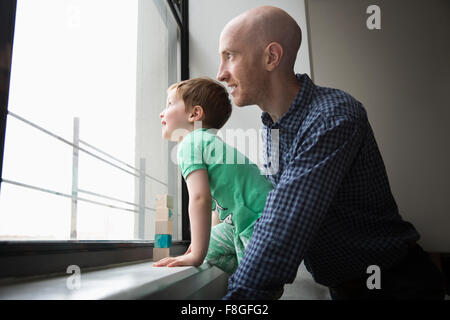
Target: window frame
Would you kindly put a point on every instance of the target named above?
(37, 258)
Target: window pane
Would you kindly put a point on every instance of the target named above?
(79, 66)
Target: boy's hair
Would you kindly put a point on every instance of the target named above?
(210, 95)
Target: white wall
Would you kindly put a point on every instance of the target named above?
(401, 73)
(206, 21)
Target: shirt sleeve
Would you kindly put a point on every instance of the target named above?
(190, 154)
(295, 208)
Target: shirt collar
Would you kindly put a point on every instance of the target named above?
(292, 119)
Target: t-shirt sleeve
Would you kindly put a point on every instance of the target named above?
(190, 154)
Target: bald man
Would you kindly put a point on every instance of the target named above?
(331, 205)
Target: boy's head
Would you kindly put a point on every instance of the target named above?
(198, 99)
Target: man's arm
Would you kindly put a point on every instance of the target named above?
(295, 209)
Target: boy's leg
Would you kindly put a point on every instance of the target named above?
(240, 244)
(222, 251)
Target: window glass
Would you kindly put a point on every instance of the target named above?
(77, 132)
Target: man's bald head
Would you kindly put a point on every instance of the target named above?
(258, 50)
(260, 26)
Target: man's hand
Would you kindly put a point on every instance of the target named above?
(188, 259)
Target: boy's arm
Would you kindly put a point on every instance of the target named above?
(215, 220)
(200, 202)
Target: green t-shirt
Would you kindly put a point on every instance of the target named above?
(238, 188)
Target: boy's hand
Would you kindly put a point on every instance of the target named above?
(188, 259)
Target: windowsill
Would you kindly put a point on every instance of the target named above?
(130, 282)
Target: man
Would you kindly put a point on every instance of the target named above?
(331, 205)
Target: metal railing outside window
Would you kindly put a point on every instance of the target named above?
(23, 258)
(140, 174)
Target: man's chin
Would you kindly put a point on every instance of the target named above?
(240, 103)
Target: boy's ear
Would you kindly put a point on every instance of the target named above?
(196, 114)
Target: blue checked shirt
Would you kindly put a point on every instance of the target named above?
(331, 205)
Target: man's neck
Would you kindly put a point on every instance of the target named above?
(279, 97)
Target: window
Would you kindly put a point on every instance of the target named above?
(83, 155)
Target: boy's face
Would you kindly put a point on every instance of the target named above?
(174, 118)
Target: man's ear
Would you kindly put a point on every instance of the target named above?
(273, 55)
(196, 114)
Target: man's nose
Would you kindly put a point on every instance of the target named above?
(161, 115)
(222, 75)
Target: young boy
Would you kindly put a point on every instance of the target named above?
(215, 175)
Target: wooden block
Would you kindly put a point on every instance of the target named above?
(160, 253)
(163, 214)
(163, 227)
(164, 201)
(163, 240)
